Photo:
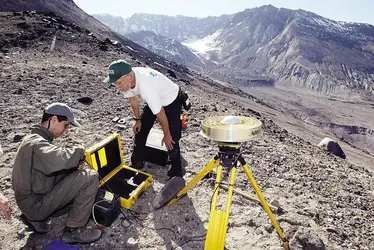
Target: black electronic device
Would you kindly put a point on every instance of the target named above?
(156, 156)
(106, 208)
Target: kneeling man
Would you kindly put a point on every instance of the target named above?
(47, 178)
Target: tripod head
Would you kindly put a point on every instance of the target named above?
(228, 154)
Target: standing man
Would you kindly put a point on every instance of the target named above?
(162, 98)
(46, 178)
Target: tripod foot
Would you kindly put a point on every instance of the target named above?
(216, 231)
(211, 164)
(266, 206)
(169, 192)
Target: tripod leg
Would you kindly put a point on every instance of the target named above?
(219, 220)
(211, 164)
(266, 206)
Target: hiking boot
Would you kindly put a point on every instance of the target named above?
(40, 227)
(172, 174)
(138, 165)
(80, 235)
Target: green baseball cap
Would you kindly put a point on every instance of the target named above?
(116, 70)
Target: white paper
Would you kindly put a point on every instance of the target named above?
(108, 196)
(154, 139)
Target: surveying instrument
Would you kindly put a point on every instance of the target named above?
(229, 132)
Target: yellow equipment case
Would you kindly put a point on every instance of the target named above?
(106, 158)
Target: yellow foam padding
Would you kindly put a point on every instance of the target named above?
(102, 157)
(90, 152)
(94, 162)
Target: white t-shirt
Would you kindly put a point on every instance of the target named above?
(155, 89)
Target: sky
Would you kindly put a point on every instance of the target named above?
(360, 11)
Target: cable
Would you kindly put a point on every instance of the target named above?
(93, 211)
(136, 217)
(93, 215)
(190, 239)
(136, 212)
(219, 183)
(211, 198)
(129, 221)
(156, 229)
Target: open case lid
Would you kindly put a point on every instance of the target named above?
(106, 155)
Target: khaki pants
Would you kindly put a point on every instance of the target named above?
(78, 188)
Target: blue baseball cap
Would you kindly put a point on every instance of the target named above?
(62, 109)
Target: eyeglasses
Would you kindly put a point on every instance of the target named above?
(67, 125)
(113, 84)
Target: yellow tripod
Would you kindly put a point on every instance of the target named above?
(229, 156)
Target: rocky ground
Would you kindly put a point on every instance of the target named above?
(328, 202)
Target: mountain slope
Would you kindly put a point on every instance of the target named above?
(163, 34)
(180, 28)
(324, 198)
(270, 46)
(73, 14)
(167, 48)
(298, 48)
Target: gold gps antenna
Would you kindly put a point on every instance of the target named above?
(231, 128)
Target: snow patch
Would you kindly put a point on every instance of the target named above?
(159, 64)
(205, 45)
(130, 48)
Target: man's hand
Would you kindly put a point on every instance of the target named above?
(136, 127)
(168, 140)
(5, 207)
(163, 120)
(81, 162)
